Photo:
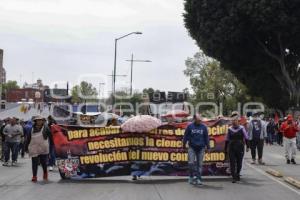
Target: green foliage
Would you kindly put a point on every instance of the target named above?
(84, 89)
(257, 40)
(9, 85)
(213, 84)
(148, 91)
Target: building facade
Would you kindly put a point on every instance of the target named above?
(2, 70)
(25, 95)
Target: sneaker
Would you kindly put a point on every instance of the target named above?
(199, 182)
(288, 161)
(134, 177)
(34, 179)
(5, 164)
(50, 168)
(191, 180)
(261, 162)
(45, 176)
(14, 163)
(253, 162)
(293, 161)
(233, 180)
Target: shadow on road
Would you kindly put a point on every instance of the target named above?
(145, 181)
(122, 181)
(251, 182)
(210, 187)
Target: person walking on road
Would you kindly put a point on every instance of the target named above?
(38, 146)
(236, 139)
(196, 135)
(290, 129)
(52, 158)
(257, 134)
(5, 122)
(298, 133)
(279, 133)
(21, 148)
(13, 133)
(271, 130)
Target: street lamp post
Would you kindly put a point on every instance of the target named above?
(115, 63)
(131, 71)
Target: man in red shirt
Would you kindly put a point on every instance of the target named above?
(290, 129)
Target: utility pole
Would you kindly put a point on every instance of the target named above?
(131, 70)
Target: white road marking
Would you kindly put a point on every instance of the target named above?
(272, 178)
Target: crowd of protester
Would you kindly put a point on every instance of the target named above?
(254, 134)
(32, 137)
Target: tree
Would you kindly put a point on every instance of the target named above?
(9, 85)
(258, 41)
(148, 91)
(213, 84)
(84, 89)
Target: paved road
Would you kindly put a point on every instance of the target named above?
(275, 159)
(256, 184)
(14, 110)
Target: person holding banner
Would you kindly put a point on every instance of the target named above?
(236, 139)
(196, 135)
(38, 146)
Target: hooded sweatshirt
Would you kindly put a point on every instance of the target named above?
(197, 136)
(289, 128)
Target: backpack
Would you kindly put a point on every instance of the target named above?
(257, 127)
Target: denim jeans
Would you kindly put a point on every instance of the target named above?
(270, 138)
(21, 149)
(2, 150)
(257, 144)
(12, 147)
(298, 140)
(52, 157)
(195, 161)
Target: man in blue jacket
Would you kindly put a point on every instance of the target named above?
(196, 135)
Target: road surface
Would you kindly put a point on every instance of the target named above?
(14, 110)
(256, 184)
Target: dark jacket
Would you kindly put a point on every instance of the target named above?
(1, 133)
(197, 136)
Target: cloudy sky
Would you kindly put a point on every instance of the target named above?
(73, 40)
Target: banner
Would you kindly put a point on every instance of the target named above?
(88, 152)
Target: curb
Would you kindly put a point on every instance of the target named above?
(292, 182)
(274, 173)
